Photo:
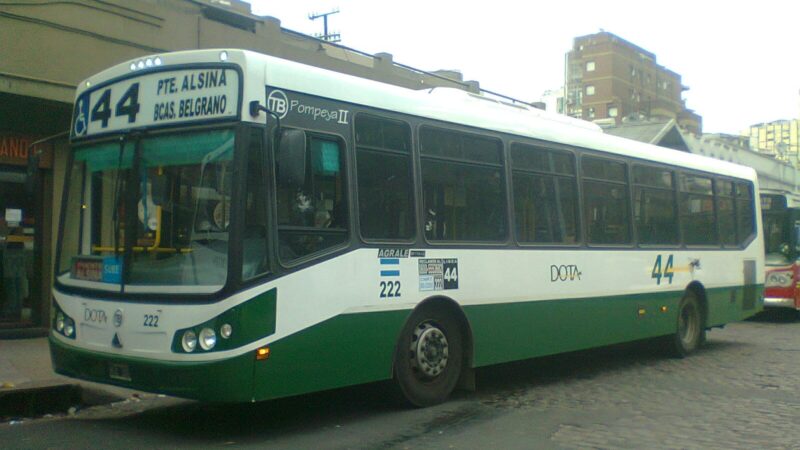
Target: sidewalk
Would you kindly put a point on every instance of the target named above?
(25, 364)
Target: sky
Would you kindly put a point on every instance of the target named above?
(740, 60)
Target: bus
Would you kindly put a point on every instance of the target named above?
(781, 218)
(238, 227)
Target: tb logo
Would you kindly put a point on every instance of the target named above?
(278, 103)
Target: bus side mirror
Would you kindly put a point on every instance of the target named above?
(291, 158)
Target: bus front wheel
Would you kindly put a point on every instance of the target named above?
(690, 331)
(428, 357)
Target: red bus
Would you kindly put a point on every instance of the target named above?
(781, 217)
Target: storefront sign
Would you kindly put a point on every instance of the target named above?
(14, 150)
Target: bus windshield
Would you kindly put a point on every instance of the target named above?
(147, 212)
(777, 237)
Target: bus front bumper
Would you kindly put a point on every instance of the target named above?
(227, 380)
(779, 302)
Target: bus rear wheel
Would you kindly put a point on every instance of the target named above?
(690, 331)
(428, 357)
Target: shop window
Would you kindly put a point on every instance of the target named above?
(17, 224)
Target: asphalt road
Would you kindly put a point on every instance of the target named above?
(741, 390)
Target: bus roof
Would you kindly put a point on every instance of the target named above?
(444, 104)
(461, 107)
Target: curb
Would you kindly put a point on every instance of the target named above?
(32, 400)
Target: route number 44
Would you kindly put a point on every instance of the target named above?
(127, 106)
(451, 274)
(667, 271)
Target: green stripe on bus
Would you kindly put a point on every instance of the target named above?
(512, 331)
(358, 348)
(250, 321)
(342, 351)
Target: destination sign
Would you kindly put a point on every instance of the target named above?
(156, 99)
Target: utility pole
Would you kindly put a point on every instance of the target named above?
(329, 37)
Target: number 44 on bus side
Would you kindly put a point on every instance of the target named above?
(668, 271)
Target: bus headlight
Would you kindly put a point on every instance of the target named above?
(189, 341)
(233, 328)
(779, 278)
(208, 339)
(69, 328)
(61, 322)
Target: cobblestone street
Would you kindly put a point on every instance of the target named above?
(742, 390)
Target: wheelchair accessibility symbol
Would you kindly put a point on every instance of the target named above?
(79, 122)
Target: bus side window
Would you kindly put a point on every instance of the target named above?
(654, 209)
(463, 186)
(745, 211)
(698, 222)
(726, 213)
(545, 195)
(312, 216)
(385, 186)
(605, 201)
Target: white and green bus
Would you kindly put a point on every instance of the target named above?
(238, 227)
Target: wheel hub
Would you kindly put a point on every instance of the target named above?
(429, 350)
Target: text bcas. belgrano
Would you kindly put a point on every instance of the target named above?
(196, 106)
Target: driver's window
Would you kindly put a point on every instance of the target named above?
(312, 216)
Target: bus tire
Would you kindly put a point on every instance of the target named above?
(690, 330)
(428, 357)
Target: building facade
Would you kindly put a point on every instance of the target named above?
(774, 174)
(607, 77)
(48, 47)
(780, 139)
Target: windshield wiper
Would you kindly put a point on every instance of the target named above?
(126, 195)
(131, 199)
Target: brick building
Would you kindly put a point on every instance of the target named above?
(608, 77)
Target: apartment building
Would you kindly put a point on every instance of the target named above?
(608, 77)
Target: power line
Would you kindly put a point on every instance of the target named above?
(326, 36)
